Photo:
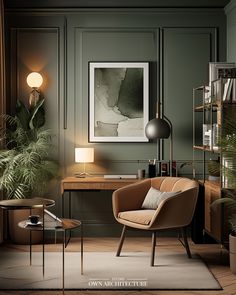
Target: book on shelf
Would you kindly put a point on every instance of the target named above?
(234, 91)
(228, 89)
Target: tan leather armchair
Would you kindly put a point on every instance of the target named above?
(175, 212)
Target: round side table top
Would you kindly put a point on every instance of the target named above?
(65, 224)
(26, 203)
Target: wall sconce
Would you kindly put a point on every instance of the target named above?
(84, 155)
(34, 80)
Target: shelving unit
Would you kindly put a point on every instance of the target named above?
(209, 114)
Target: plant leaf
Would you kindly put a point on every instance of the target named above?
(22, 114)
(37, 116)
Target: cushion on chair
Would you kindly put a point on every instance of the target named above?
(154, 197)
(137, 216)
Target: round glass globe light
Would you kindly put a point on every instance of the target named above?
(34, 80)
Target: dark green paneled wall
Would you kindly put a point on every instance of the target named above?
(189, 50)
(60, 44)
(231, 31)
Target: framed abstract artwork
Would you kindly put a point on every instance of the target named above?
(118, 101)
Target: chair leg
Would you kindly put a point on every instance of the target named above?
(122, 237)
(153, 248)
(186, 245)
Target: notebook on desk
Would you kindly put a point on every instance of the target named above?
(120, 176)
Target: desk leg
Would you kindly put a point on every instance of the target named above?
(43, 245)
(70, 215)
(30, 243)
(70, 205)
(62, 205)
(30, 234)
(63, 261)
(81, 250)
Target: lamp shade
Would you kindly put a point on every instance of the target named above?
(157, 128)
(84, 155)
(34, 80)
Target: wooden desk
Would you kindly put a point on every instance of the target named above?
(70, 184)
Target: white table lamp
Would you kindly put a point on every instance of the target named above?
(84, 155)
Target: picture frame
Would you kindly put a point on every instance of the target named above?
(118, 101)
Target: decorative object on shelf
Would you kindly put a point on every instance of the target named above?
(207, 94)
(34, 80)
(161, 128)
(118, 101)
(84, 155)
(207, 135)
(221, 70)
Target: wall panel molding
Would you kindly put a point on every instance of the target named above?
(230, 7)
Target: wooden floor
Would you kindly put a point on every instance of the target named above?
(215, 257)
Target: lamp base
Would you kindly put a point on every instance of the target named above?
(82, 175)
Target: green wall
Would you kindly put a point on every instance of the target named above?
(60, 43)
(230, 11)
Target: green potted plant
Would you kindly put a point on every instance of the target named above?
(229, 202)
(228, 170)
(26, 165)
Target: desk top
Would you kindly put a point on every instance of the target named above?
(26, 203)
(94, 183)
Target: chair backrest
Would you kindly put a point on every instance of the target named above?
(168, 184)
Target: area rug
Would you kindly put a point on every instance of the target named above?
(103, 270)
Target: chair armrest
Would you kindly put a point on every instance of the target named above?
(176, 211)
(130, 197)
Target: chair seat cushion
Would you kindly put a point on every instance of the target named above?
(154, 197)
(137, 216)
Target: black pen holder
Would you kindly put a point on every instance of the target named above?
(151, 170)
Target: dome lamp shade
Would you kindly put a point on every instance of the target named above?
(34, 80)
(157, 128)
